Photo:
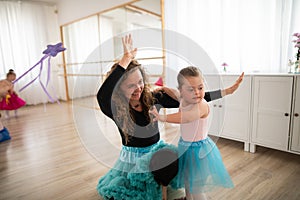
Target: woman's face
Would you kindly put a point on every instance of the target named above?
(192, 91)
(133, 86)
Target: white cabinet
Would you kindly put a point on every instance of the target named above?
(264, 111)
(295, 130)
(237, 106)
(213, 82)
(272, 103)
(230, 116)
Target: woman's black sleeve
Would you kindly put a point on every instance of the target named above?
(105, 92)
(165, 100)
(213, 95)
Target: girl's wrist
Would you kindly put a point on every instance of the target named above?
(163, 118)
(223, 93)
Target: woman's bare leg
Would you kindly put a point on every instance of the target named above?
(164, 192)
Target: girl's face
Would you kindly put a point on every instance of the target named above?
(11, 77)
(192, 91)
(133, 86)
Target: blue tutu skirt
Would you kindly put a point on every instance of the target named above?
(130, 178)
(201, 167)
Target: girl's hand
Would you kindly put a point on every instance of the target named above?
(234, 87)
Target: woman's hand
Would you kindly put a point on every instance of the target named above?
(129, 51)
(234, 87)
(172, 92)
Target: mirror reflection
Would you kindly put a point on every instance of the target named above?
(94, 43)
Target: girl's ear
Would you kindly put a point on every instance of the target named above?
(180, 90)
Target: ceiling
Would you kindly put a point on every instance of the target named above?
(151, 5)
(42, 1)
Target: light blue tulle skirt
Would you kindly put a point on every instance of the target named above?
(130, 178)
(201, 167)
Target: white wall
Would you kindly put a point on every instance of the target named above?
(72, 10)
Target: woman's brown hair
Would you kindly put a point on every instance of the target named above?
(123, 114)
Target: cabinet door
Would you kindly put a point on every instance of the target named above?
(237, 109)
(271, 111)
(216, 107)
(295, 145)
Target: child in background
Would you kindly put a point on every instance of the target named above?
(11, 101)
(200, 164)
(5, 87)
(4, 134)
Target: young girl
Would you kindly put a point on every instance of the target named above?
(5, 87)
(200, 163)
(4, 134)
(11, 101)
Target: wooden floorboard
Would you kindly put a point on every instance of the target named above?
(53, 155)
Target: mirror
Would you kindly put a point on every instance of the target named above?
(94, 44)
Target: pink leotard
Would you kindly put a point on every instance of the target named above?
(196, 130)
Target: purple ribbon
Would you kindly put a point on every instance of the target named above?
(52, 50)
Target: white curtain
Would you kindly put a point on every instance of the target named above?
(83, 66)
(26, 30)
(249, 35)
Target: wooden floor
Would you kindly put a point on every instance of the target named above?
(60, 151)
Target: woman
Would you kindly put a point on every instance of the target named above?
(126, 98)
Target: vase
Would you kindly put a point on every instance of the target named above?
(297, 67)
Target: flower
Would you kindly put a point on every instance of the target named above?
(297, 44)
(224, 65)
(296, 34)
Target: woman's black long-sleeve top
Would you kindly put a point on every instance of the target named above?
(144, 134)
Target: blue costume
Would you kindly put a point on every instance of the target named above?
(200, 163)
(131, 178)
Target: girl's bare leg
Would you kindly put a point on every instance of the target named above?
(200, 196)
(175, 193)
(1, 125)
(188, 195)
(6, 114)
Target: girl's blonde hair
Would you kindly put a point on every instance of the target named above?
(189, 71)
(123, 114)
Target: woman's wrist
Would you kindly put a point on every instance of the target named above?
(125, 61)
